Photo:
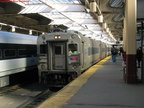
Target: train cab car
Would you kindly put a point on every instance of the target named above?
(62, 56)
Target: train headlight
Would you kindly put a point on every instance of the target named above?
(42, 66)
(57, 37)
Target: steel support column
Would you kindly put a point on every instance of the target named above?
(131, 16)
(124, 39)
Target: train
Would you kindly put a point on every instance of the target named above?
(18, 53)
(63, 56)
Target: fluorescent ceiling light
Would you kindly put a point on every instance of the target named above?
(75, 1)
(76, 28)
(85, 32)
(13, 28)
(98, 32)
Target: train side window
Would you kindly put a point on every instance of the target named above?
(59, 49)
(43, 49)
(73, 48)
(32, 52)
(22, 52)
(0, 53)
(95, 50)
(10, 53)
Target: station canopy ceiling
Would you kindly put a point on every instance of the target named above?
(46, 15)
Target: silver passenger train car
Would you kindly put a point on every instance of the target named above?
(63, 56)
(18, 53)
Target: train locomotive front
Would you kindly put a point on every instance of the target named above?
(60, 58)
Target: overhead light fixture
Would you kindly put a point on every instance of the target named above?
(104, 25)
(107, 30)
(30, 32)
(100, 19)
(13, 28)
(93, 7)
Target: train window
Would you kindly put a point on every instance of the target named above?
(58, 49)
(94, 50)
(43, 49)
(72, 48)
(0, 53)
(9, 53)
(22, 52)
(32, 52)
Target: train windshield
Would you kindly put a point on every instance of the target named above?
(10, 53)
(73, 48)
(58, 49)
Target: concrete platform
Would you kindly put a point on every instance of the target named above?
(101, 86)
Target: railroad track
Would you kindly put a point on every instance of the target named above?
(30, 95)
(9, 90)
(33, 102)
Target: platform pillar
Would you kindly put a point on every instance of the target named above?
(131, 17)
(124, 40)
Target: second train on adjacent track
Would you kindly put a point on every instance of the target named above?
(63, 56)
(18, 54)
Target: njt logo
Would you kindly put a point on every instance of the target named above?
(7, 1)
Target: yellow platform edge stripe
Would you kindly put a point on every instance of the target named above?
(61, 97)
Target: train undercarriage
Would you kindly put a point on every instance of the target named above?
(57, 80)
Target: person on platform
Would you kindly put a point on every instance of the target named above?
(121, 51)
(139, 55)
(114, 52)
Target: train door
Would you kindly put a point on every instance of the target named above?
(59, 61)
(57, 55)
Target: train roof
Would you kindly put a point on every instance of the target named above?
(16, 38)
